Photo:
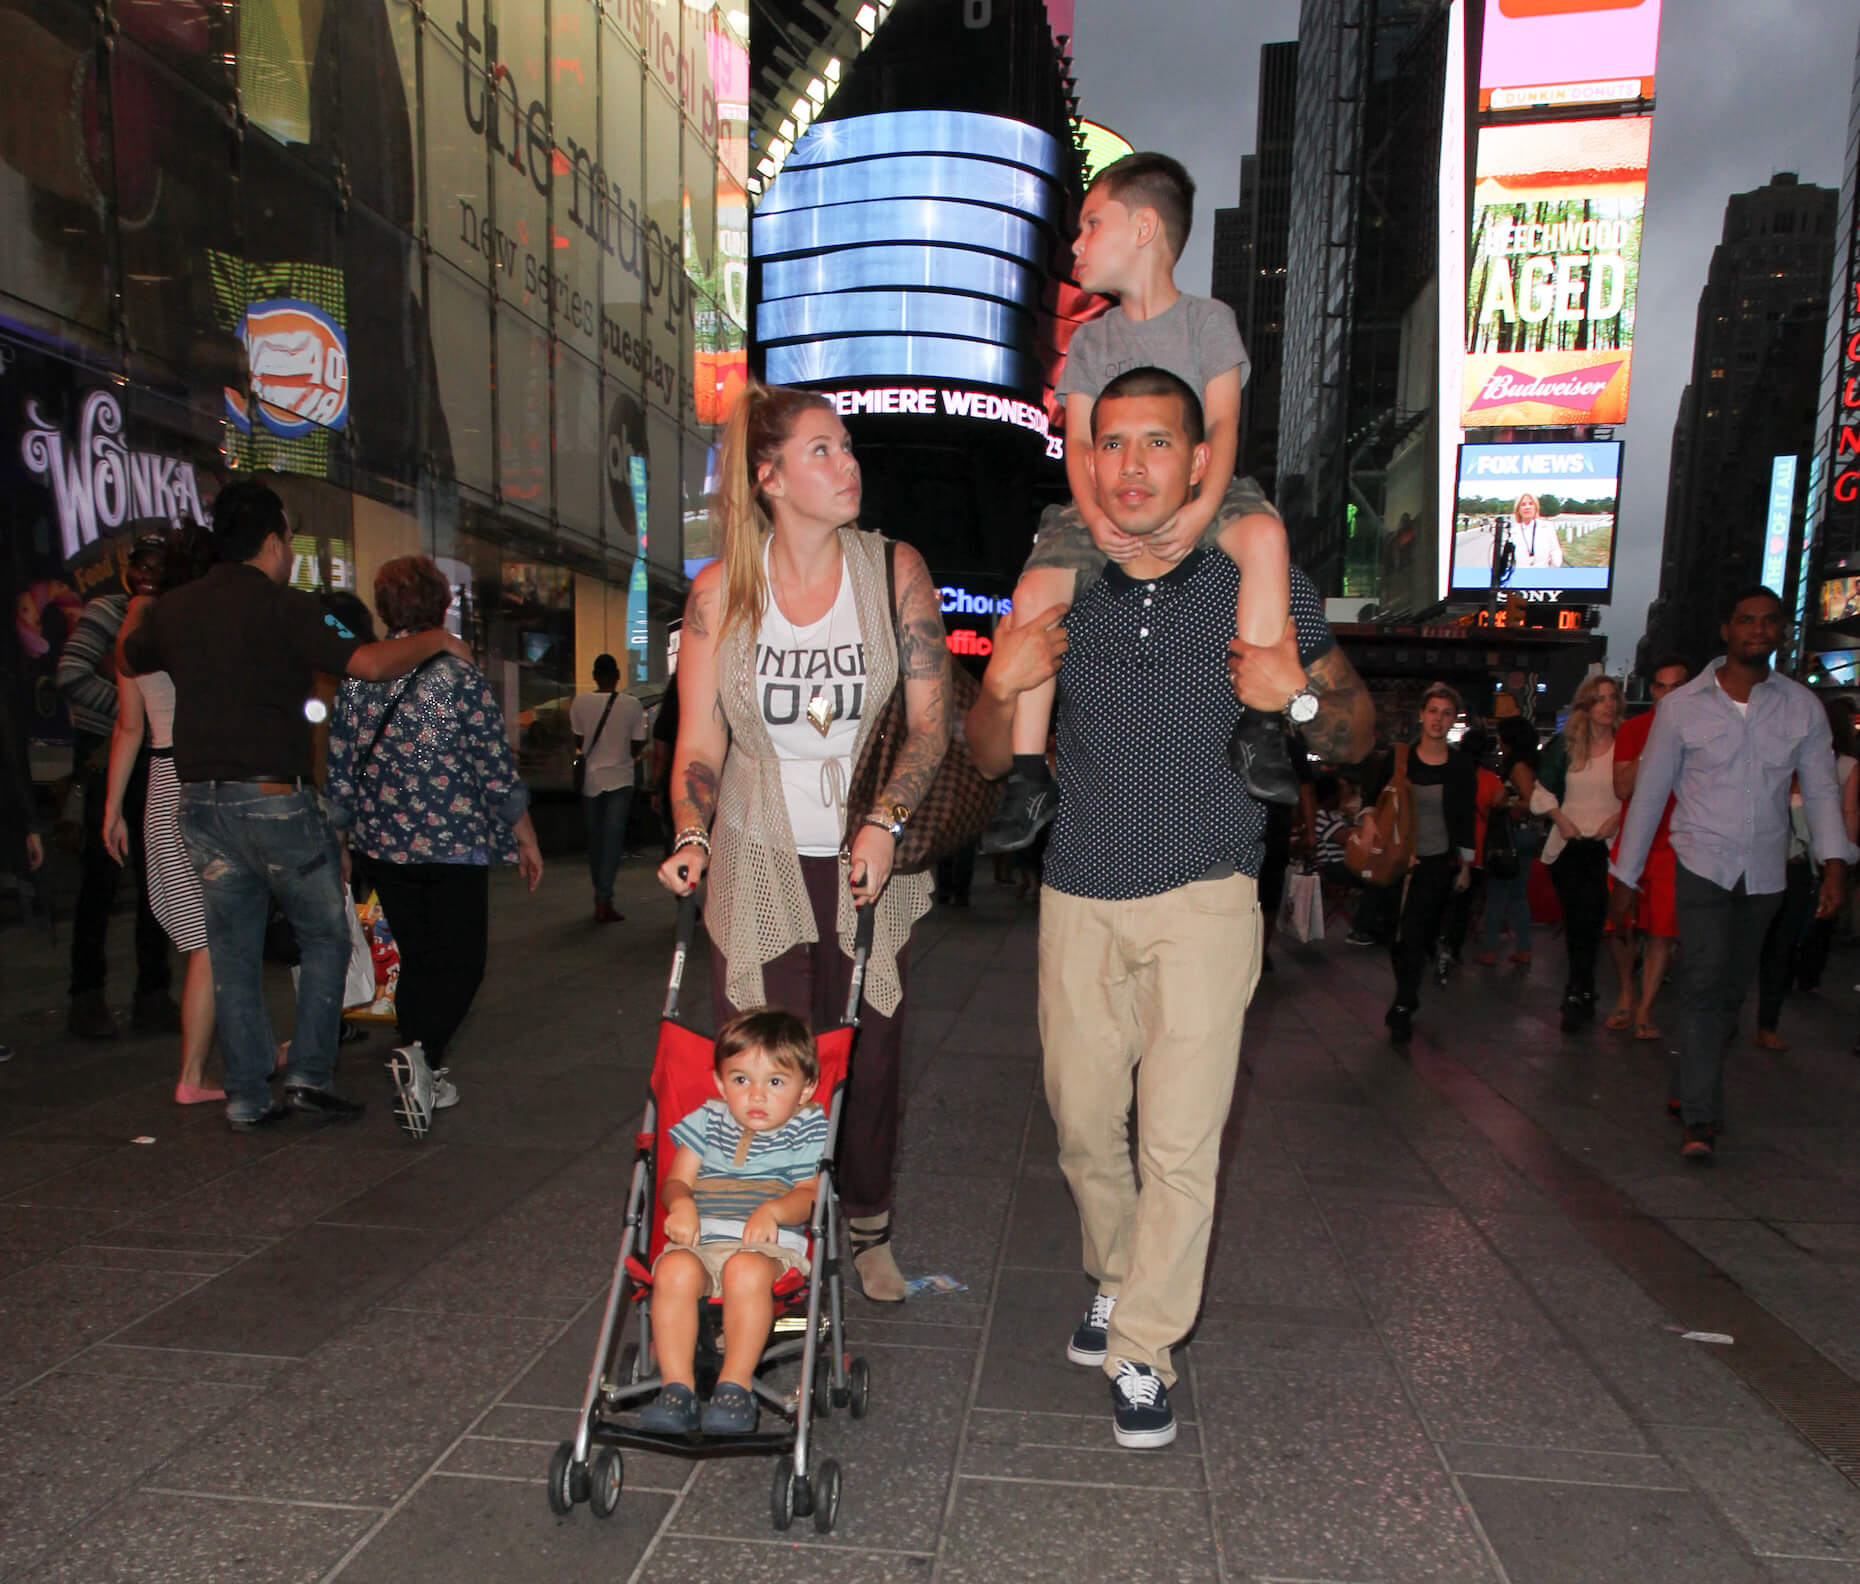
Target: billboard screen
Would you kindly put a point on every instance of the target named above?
(1776, 523)
(910, 246)
(1550, 54)
(1550, 298)
(1840, 599)
(1555, 505)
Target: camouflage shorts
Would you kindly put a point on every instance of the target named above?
(1064, 541)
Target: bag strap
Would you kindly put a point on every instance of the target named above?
(891, 589)
(406, 687)
(612, 699)
(1401, 763)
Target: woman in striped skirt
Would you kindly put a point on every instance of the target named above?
(145, 704)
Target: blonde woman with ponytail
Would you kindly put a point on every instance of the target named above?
(790, 650)
(1576, 788)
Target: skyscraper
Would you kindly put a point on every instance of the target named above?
(1756, 373)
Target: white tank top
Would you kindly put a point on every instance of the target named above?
(794, 667)
(158, 704)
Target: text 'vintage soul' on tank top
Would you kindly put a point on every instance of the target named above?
(794, 668)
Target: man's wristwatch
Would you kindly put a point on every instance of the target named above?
(1302, 707)
(890, 817)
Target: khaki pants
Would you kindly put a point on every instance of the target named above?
(1149, 994)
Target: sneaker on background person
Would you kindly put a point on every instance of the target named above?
(419, 1090)
(1089, 1341)
(1029, 800)
(1142, 1417)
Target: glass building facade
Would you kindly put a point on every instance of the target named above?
(469, 278)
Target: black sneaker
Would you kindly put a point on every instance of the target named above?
(1358, 937)
(1443, 965)
(324, 1103)
(1088, 1342)
(271, 1116)
(1140, 1405)
(1400, 1021)
(1256, 753)
(1027, 808)
(1578, 1011)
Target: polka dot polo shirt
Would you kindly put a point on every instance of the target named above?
(1147, 802)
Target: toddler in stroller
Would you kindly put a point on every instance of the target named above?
(740, 1186)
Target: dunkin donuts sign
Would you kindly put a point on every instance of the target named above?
(298, 358)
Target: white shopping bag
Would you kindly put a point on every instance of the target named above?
(358, 988)
(1301, 914)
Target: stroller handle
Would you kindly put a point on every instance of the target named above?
(687, 927)
(862, 949)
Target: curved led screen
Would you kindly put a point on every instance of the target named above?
(906, 246)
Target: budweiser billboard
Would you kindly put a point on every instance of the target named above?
(1550, 297)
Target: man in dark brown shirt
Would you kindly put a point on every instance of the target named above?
(242, 648)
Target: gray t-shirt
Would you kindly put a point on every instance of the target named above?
(1430, 820)
(1194, 338)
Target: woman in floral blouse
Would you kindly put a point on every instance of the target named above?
(423, 785)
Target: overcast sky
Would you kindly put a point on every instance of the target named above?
(1746, 88)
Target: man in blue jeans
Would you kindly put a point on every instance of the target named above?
(241, 648)
(1726, 747)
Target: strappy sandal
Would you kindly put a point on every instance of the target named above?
(1643, 1030)
(1619, 1019)
(879, 1277)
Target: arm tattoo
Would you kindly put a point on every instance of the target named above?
(923, 653)
(928, 740)
(697, 618)
(696, 803)
(1342, 732)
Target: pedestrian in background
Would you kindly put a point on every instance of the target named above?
(241, 647)
(1490, 798)
(1508, 897)
(423, 783)
(612, 727)
(1725, 747)
(1576, 788)
(145, 708)
(86, 681)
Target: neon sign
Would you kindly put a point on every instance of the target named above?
(961, 602)
(98, 482)
(930, 401)
(1776, 528)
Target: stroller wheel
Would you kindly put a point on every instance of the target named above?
(605, 1479)
(859, 1376)
(562, 1480)
(823, 1388)
(826, 1495)
(781, 1494)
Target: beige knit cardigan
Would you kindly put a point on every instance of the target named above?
(757, 906)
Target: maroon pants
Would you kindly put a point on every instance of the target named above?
(811, 980)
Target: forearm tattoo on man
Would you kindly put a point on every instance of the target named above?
(696, 803)
(1332, 734)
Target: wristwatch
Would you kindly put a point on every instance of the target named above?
(1302, 707)
(890, 817)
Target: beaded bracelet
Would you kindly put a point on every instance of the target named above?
(692, 836)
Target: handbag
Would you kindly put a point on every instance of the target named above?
(581, 759)
(1388, 862)
(960, 800)
(1501, 851)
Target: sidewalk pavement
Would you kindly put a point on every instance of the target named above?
(1442, 1337)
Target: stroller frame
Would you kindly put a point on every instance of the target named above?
(588, 1467)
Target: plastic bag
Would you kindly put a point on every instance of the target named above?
(384, 960)
(1301, 913)
(360, 987)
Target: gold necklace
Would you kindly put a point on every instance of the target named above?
(820, 710)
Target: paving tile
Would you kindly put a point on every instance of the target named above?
(25, 1164)
(948, 1224)
(70, 1445)
(895, 1463)
(1004, 1530)
(1326, 1473)
(167, 1539)
(455, 1528)
(1560, 1466)
(293, 1297)
(30, 1234)
(679, 1559)
(453, 1187)
(1560, 1534)
(1062, 1450)
(281, 1192)
(127, 1362)
(51, 1312)
(367, 1416)
(1776, 1492)
(137, 1178)
(518, 1442)
(559, 1378)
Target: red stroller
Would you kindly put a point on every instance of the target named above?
(808, 1310)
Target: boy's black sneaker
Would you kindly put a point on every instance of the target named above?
(1027, 808)
(1088, 1342)
(1256, 752)
(1578, 1011)
(1140, 1405)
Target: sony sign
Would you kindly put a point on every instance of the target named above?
(98, 482)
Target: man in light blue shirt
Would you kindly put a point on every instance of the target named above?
(1726, 746)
